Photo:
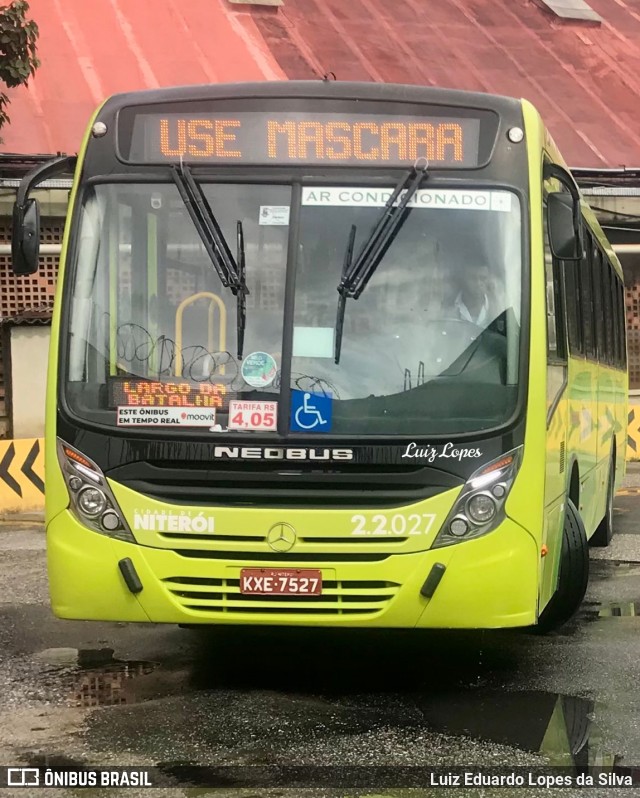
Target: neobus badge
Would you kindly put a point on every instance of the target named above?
(277, 453)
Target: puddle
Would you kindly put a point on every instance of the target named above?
(99, 680)
(619, 609)
(593, 610)
(621, 579)
(562, 728)
(558, 726)
(111, 685)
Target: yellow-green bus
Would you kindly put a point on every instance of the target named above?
(329, 354)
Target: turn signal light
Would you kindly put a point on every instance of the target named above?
(77, 457)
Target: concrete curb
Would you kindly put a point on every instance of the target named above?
(36, 517)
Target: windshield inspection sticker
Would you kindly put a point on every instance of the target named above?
(166, 417)
(310, 412)
(449, 199)
(313, 341)
(274, 214)
(259, 369)
(253, 415)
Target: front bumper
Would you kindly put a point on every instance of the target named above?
(490, 582)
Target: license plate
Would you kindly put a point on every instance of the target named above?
(280, 582)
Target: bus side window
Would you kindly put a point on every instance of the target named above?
(556, 335)
(574, 323)
(613, 291)
(607, 311)
(596, 264)
(623, 325)
(621, 331)
(586, 295)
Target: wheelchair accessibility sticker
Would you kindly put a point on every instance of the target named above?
(310, 412)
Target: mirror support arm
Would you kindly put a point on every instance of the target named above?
(56, 166)
(25, 227)
(553, 170)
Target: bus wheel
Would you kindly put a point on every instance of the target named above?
(573, 577)
(603, 534)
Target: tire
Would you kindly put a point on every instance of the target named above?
(604, 532)
(573, 577)
(577, 721)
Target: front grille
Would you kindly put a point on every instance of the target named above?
(345, 597)
(247, 484)
(269, 557)
(326, 549)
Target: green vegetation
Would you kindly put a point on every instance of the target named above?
(18, 60)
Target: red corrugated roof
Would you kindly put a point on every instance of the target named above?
(91, 49)
(585, 80)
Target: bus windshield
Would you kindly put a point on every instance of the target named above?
(431, 347)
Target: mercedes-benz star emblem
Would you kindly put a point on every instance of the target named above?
(281, 537)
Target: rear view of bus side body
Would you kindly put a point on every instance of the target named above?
(327, 354)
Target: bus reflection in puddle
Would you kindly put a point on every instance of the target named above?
(621, 609)
(560, 727)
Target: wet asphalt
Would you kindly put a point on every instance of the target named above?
(117, 694)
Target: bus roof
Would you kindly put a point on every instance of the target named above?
(390, 92)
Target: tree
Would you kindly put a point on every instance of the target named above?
(18, 60)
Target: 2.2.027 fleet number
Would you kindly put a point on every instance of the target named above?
(397, 524)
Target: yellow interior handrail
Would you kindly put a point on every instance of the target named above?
(215, 300)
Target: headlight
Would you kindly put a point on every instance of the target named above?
(480, 506)
(459, 527)
(92, 501)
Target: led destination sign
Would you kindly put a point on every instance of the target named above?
(174, 393)
(259, 137)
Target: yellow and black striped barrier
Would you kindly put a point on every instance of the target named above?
(21, 475)
(633, 433)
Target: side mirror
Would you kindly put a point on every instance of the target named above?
(565, 238)
(25, 238)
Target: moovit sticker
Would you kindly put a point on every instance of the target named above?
(166, 417)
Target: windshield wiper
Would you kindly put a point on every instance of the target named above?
(241, 316)
(231, 273)
(356, 275)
